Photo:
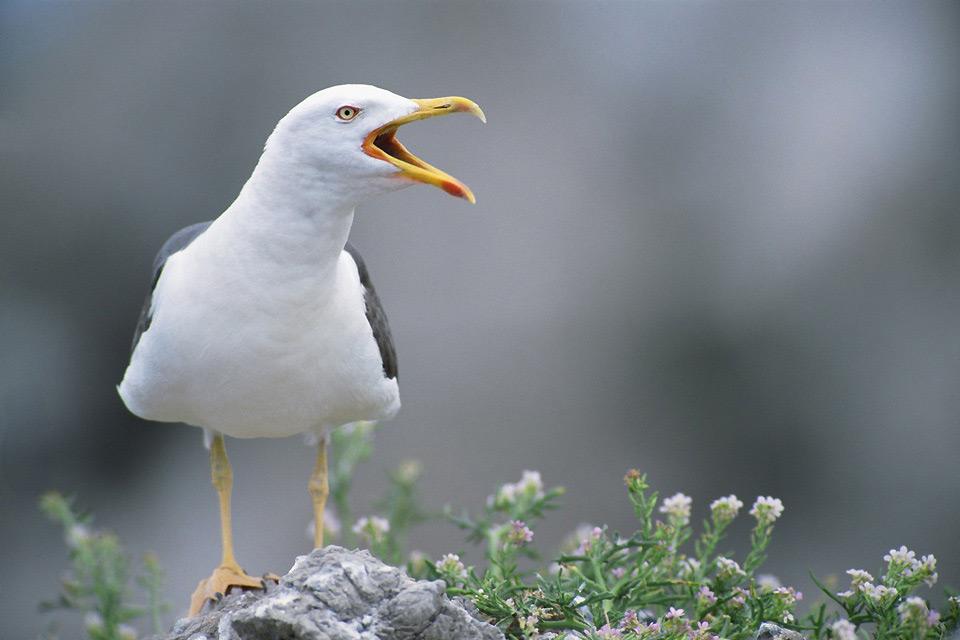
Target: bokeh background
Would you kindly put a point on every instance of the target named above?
(715, 241)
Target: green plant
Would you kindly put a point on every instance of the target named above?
(97, 583)
(385, 536)
(651, 585)
(645, 586)
(350, 445)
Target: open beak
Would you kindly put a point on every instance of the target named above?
(382, 143)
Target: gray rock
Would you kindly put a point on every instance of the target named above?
(336, 594)
(771, 631)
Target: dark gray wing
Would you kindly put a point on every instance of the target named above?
(177, 242)
(376, 316)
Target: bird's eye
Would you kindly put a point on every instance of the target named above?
(347, 113)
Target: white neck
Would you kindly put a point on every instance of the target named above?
(288, 214)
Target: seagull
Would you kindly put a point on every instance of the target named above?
(264, 323)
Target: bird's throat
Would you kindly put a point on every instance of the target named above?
(290, 217)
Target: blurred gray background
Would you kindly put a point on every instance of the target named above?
(715, 241)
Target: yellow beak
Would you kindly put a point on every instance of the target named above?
(382, 143)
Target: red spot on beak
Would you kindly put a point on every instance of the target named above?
(453, 189)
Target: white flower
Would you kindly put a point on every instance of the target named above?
(450, 565)
(766, 509)
(902, 556)
(331, 525)
(858, 577)
(92, 622)
(529, 487)
(78, 534)
(788, 595)
(372, 529)
(677, 508)
(768, 582)
(914, 610)
(409, 471)
(902, 559)
(843, 630)
(689, 567)
(531, 484)
(725, 509)
(878, 594)
(126, 632)
(529, 624)
(505, 496)
(845, 594)
(928, 567)
(727, 568)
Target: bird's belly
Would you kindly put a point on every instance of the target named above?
(266, 370)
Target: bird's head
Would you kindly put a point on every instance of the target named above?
(347, 134)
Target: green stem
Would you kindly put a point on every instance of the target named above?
(598, 574)
(566, 623)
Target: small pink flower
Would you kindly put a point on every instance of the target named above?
(606, 632)
(706, 596)
(519, 533)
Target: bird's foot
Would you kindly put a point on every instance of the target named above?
(224, 579)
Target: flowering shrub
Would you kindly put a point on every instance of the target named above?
(650, 585)
(97, 583)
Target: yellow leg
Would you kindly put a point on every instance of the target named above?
(319, 488)
(228, 574)
(221, 475)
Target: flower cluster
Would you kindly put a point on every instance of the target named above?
(519, 534)
(451, 568)
(677, 508)
(914, 613)
(728, 569)
(96, 585)
(788, 596)
(586, 536)
(528, 489)
(674, 624)
(649, 585)
(903, 566)
(724, 510)
(878, 595)
(767, 510)
(843, 629)
(372, 529)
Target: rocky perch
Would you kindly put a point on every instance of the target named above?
(771, 631)
(336, 594)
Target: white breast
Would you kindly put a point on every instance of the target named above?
(269, 351)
